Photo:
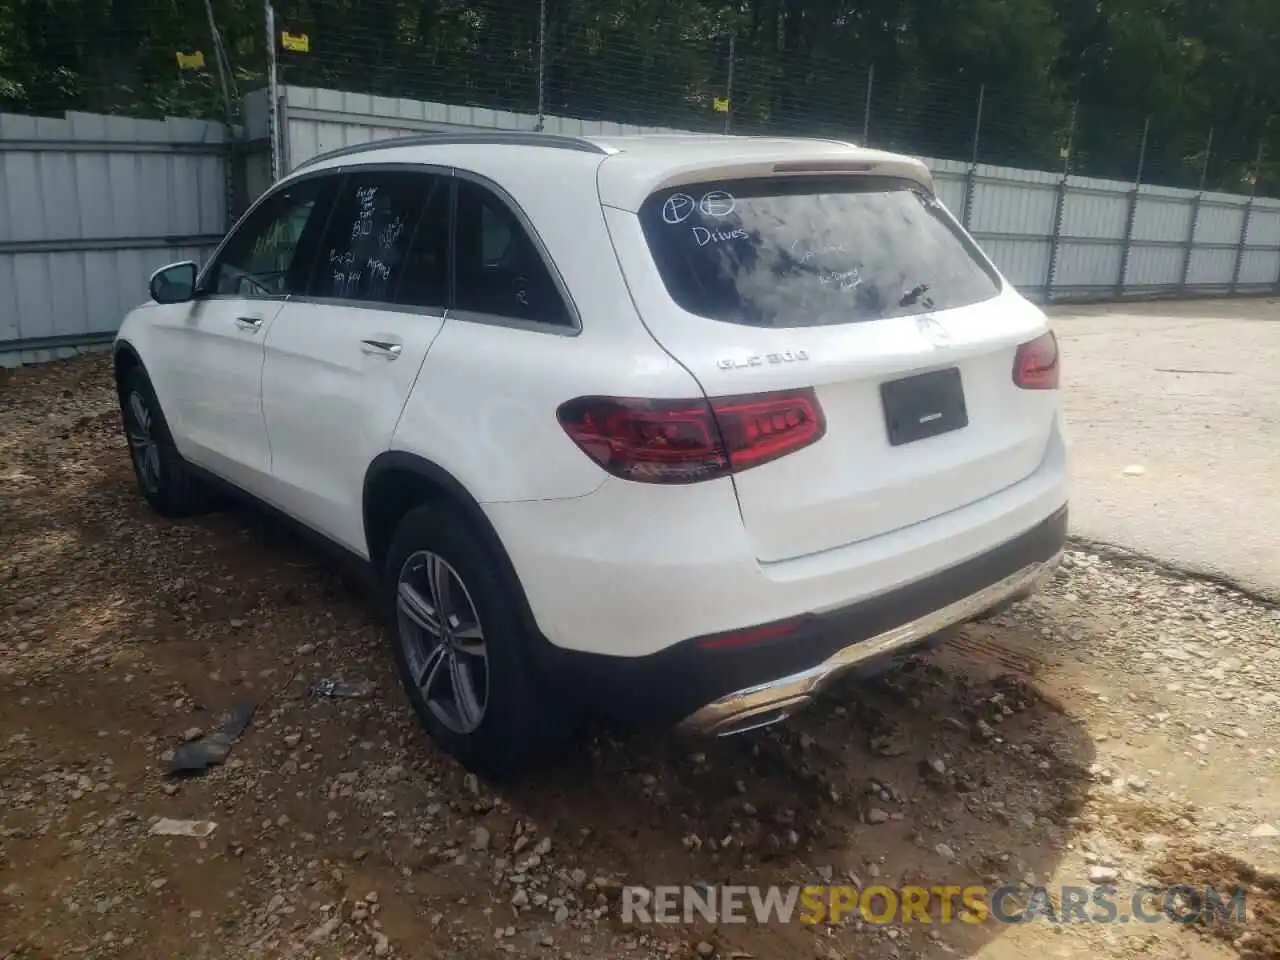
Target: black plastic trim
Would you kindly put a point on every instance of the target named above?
(119, 345)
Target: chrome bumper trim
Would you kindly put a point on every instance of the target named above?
(767, 703)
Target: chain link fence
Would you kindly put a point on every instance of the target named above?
(643, 63)
(145, 58)
(571, 59)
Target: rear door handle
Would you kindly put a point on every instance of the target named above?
(248, 323)
(381, 348)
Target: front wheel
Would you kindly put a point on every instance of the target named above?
(165, 479)
(460, 648)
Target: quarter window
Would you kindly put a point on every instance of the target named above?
(270, 254)
(500, 271)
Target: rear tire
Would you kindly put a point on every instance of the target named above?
(165, 479)
(461, 648)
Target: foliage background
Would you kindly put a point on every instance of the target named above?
(1181, 68)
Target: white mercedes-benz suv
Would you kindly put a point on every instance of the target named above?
(673, 428)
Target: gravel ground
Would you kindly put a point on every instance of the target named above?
(1121, 727)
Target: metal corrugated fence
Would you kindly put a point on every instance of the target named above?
(90, 205)
(1055, 237)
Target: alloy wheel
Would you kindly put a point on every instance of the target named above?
(443, 643)
(142, 443)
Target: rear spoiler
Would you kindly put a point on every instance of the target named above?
(625, 182)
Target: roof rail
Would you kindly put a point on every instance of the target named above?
(522, 138)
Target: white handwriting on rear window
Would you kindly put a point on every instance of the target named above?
(842, 280)
(813, 253)
(703, 236)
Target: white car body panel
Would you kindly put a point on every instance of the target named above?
(332, 403)
(494, 427)
(633, 568)
(206, 369)
(296, 413)
(852, 485)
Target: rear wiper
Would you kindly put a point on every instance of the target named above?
(912, 295)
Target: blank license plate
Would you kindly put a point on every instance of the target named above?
(923, 406)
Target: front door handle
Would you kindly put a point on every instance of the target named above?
(248, 323)
(381, 348)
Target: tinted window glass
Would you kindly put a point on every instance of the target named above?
(499, 269)
(424, 281)
(790, 252)
(365, 254)
(272, 252)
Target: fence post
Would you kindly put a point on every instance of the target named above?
(1276, 285)
(216, 38)
(1195, 216)
(1060, 206)
(542, 64)
(866, 108)
(1191, 241)
(728, 89)
(282, 122)
(1132, 214)
(1248, 216)
(967, 217)
(273, 91)
(233, 155)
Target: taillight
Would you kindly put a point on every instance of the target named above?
(687, 441)
(1035, 365)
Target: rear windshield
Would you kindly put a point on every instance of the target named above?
(790, 252)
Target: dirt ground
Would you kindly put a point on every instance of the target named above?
(1121, 728)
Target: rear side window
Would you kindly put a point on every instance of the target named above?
(796, 252)
(387, 240)
(500, 271)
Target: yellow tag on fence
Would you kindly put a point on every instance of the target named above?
(191, 61)
(297, 42)
(721, 104)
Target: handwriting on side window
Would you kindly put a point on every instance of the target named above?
(366, 274)
(363, 225)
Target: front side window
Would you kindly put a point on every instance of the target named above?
(810, 251)
(387, 241)
(269, 255)
(500, 272)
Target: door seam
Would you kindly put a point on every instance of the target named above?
(404, 404)
(262, 400)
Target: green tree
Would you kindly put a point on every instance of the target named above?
(1176, 67)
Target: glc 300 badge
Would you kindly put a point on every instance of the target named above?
(760, 360)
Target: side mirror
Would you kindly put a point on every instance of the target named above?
(175, 283)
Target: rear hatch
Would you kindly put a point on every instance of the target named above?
(866, 291)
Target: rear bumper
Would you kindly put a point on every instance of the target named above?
(773, 700)
(634, 569)
(726, 683)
